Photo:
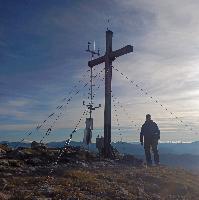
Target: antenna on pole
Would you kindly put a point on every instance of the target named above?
(108, 24)
(93, 53)
(94, 45)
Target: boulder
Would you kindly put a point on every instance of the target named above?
(34, 161)
(6, 175)
(3, 184)
(14, 163)
(2, 151)
(4, 162)
(4, 196)
(5, 147)
(17, 154)
(35, 145)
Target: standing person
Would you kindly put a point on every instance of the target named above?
(151, 134)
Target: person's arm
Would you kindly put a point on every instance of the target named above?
(141, 136)
(157, 131)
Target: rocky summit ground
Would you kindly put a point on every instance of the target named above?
(33, 174)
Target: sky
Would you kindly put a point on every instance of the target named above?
(43, 58)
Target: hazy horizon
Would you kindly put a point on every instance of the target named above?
(127, 135)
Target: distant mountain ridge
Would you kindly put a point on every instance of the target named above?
(124, 147)
(183, 155)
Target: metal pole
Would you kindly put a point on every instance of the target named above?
(91, 92)
(107, 110)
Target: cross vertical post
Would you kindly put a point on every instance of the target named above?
(107, 109)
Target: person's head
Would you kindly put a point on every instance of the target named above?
(148, 117)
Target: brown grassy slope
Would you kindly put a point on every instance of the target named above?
(105, 181)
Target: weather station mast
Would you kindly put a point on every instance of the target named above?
(90, 105)
(93, 53)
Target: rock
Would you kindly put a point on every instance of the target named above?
(3, 180)
(2, 155)
(5, 147)
(4, 162)
(46, 190)
(156, 197)
(6, 174)
(38, 198)
(4, 196)
(11, 163)
(35, 145)
(14, 163)
(16, 154)
(84, 164)
(3, 168)
(34, 161)
(32, 169)
(3, 184)
(20, 154)
(2, 151)
(20, 172)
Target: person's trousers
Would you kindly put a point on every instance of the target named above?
(148, 145)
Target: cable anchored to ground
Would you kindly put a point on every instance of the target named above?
(143, 91)
(125, 111)
(57, 114)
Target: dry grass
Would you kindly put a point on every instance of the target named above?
(116, 182)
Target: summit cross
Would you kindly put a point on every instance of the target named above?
(108, 58)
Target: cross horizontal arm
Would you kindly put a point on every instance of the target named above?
(96, 61)
(122, 51)
(113, 55)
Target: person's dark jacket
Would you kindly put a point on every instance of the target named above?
(149, 131)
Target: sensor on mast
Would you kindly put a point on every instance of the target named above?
(93, 52)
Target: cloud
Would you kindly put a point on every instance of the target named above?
(164, 61)
(165, 58)
(15, 127)
(18, 102)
